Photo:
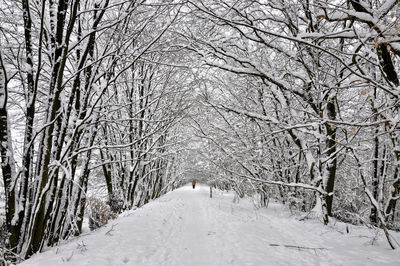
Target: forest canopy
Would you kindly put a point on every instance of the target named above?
(296, 101)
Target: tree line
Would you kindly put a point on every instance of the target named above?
(304, 103)
(84, 86)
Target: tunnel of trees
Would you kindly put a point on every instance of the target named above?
(296, 101)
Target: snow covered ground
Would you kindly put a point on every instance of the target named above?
(186, 227)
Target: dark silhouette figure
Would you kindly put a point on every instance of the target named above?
(194, 183)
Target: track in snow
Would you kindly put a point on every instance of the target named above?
(186, 227)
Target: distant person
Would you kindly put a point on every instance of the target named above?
(194, 183)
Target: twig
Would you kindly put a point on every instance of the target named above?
(293, 246)
(111, 229)
(69, 258)
(82, 247)
(6, 250)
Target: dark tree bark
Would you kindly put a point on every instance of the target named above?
(383, 53)
(375, 175)
(330, 143)
(7, 160)
(107, 174)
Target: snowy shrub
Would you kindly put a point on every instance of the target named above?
(3, 233)
(295, 203)
(116, 203)
(3, 238)
(3, 261)
(99, 213)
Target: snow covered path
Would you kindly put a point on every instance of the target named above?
(186, 227)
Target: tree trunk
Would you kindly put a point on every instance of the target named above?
(7, 160)
(375, 178)
(331, 154)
